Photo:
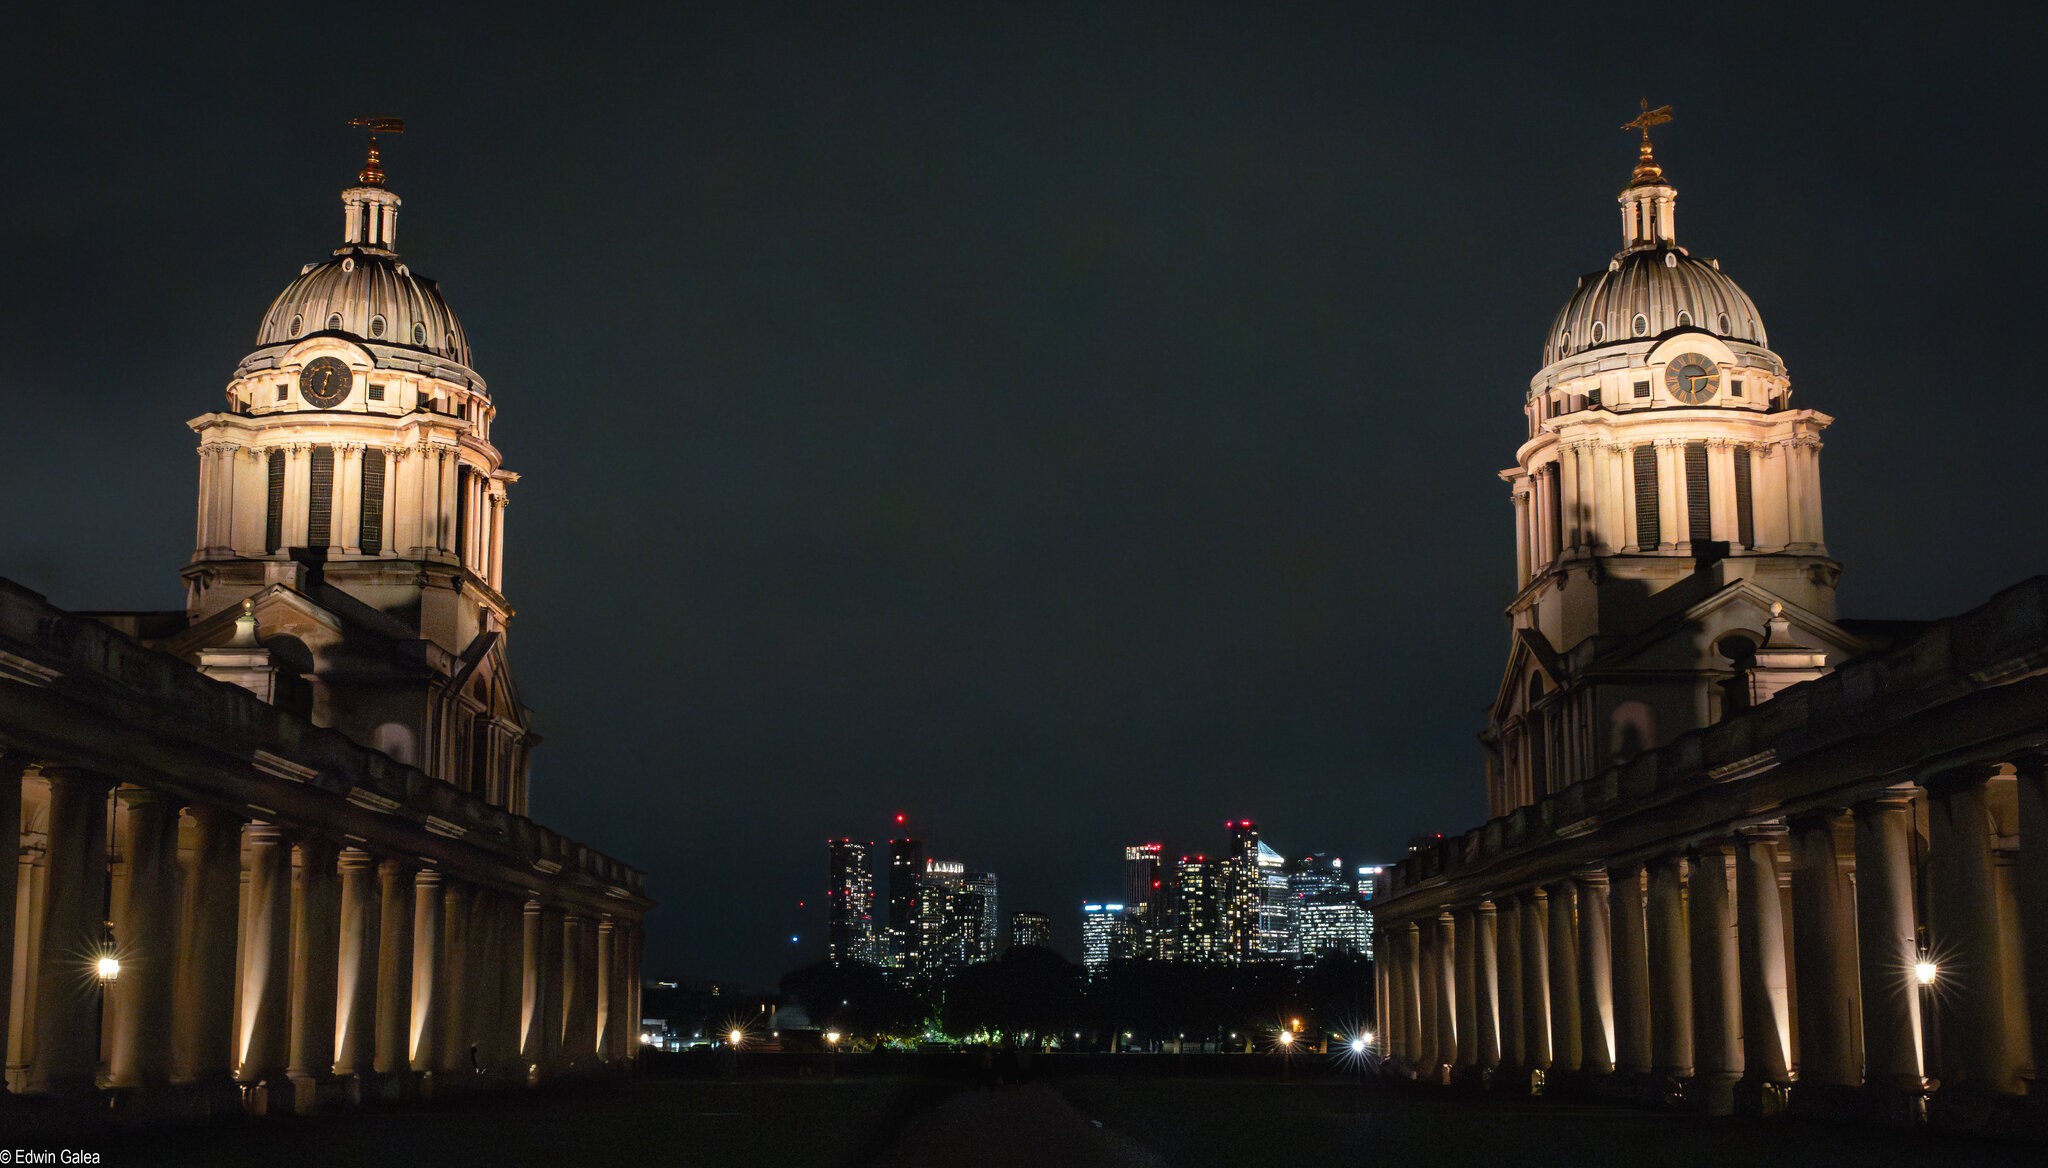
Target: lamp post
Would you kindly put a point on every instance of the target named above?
(1286, 1052)
(831, 1055)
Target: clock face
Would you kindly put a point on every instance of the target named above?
(1692, 379)
(325, 381)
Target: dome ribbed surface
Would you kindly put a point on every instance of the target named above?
(376, 299)
(1657, 284)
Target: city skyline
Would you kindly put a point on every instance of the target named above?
(1032, 438)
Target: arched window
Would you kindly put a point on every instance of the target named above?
(333, 322)
(273, 506)
(1684, 320)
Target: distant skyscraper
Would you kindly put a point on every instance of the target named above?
(1108, 933)
(1273, 920)
(906, 875)
(1199, 911)
(1328, 915)
(1242, 891)
(1030, 928)
(956, 918)
(1369, 876)
(850, 903)
(1141, 875)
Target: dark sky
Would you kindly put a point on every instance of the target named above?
(1067, 428)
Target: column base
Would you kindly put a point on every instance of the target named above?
(1711, 1092)
(312, 1094)
(1760, 1097)
(269, 1096)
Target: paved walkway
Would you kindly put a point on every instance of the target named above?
(1012, 1127)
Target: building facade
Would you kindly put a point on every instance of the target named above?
(1030, 928)
(1108, 933)
(1743, 853)
(850, 903)
(903, 940)
(286, 825)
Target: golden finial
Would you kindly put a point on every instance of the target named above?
(372, 174)
(1647, 170)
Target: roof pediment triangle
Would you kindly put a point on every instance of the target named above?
(1737, 604)
(1531, 652)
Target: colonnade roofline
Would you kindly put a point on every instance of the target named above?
(77, 694)
(1871, 725)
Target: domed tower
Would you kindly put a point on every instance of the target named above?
(351, 494)
(1667, 497)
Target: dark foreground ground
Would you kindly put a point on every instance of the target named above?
(1130, 1122)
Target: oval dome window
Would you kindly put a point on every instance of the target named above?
(419, 333)
(376, 326)
(298, 322)
(1642, 325)
(1599, 331)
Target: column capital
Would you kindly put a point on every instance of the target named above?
(355, 859)
(264, 831)
(134, 796)
(1956, 778)
(1896, 799)
(1761, 833)
(1815, 817)
(1592, 874)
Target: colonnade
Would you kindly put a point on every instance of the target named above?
(285, 967)
(1882, 946)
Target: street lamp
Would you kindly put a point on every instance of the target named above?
(1925, 971)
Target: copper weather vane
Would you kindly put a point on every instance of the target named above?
(1647, 169)
(372, 173)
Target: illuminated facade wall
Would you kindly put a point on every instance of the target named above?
(318, 881)
(1201, 910)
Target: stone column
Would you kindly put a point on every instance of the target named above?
(533, 984)
(72, 925)
(140, 1051)
(1888, 945)
(1535, 922)
(454, 985)
(1450, 1044)
(1760, 935)
(345, 527)
(1508, 987)
(1465, 984)
(447, 504)
(553, 930)
(606, 1022)
(1522, 557)
(1826, 930)
(13, 764)
(355, 1001)
(427, 974)
(1486, 984)
(2032, 895)
(1428, 988)
(203, 1025)
(1963, 914)
(1670, 970)
(1631, 971)
(395, 910)
(1596, 974)
(1716, 1000)
(266, 957)
(316, 946)
(1566, 1053)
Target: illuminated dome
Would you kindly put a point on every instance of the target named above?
(366, 291)
(1652, 286)
(1645, 294)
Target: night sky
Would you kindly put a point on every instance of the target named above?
(1069, 429)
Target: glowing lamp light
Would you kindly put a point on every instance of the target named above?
(1287, 1038)
(1925, 972)
(1358, 1046)
(646, 1039)
(107, 968)
(735, 1037)
(832, 1037)
(1367, 1036)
